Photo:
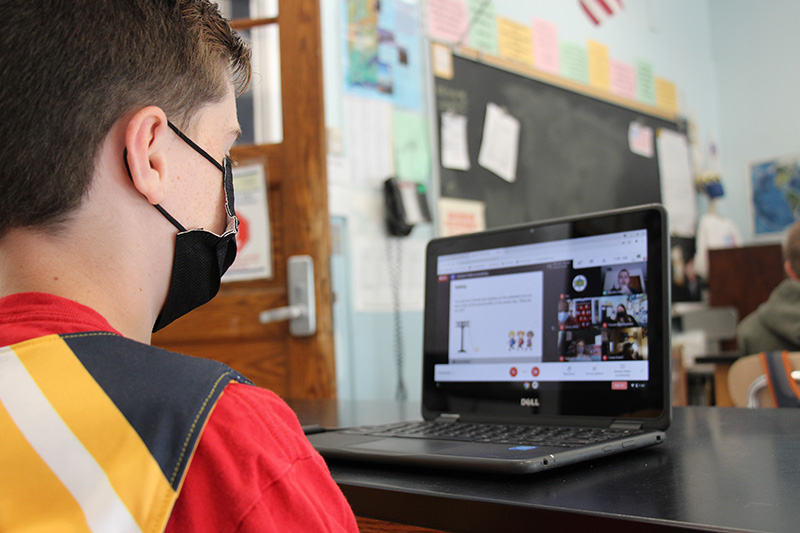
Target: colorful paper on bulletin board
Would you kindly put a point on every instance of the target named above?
(599, 65)
(574, 64)
(412, 153)
(483, 26)
(458, 216)
(545, 46)
(666, 95)
(645, 83)
(408, 61)
(383, 55)
(623, 79)
(448, 20)
(514, 40)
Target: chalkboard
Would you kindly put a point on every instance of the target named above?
(574, 154)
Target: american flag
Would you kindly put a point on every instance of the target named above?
(599, 10)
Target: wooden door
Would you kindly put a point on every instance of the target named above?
(227, 329)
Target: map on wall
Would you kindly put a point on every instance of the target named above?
(775, 186)
(366, 45)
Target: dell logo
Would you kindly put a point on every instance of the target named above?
(529, 402)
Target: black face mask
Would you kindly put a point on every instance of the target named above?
(201, 257)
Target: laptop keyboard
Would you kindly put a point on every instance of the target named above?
(567, 437)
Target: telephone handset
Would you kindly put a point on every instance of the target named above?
(406, 206)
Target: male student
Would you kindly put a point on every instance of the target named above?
(775, 325)
(116, 218)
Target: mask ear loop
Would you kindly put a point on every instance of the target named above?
(191, 143)
(157, 206)
(226, 169)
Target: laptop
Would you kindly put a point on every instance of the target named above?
(545, 344)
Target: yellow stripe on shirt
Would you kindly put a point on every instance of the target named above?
(131, 471)
(28, 488)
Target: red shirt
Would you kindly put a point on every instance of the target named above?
(253, 470)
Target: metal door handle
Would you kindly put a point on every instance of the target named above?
(301, 311)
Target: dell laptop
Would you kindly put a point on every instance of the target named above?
(545, 344)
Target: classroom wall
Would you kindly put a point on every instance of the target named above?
(755, 48)
(673, 35)
(364, 259)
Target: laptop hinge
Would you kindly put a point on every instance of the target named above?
(626, 424)
(447, 417)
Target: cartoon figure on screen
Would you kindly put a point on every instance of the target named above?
(623, 285)
(512, 340)
(529, 344)
(521, 340)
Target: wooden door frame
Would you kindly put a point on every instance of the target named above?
(312, 367)
(228, 328)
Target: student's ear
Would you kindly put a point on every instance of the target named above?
(146, 139)
(787, 266)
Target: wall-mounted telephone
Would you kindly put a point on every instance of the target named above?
(406, 206)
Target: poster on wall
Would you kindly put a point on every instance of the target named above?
(253, 242)
(458, 216)
(677, 186)
(775, 193)
(382, 44)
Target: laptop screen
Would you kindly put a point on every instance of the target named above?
(558, 318)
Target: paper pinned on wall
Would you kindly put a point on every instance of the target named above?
(574, 62)
(458, 216)
(500, 143)
(677, 186)
(442, 59)
(515, 41)
(448, 20)
(483, 26)
(253, 257)
(645, 82)
(545, 46)
(666, 95)
(455, 153)
(368, 140)
(623, 79)
(411, 147)
(640, 139)
(599, 65)
(407, 61)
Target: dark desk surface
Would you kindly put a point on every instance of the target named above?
(720, 469)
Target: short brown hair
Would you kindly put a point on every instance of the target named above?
(72, 68)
